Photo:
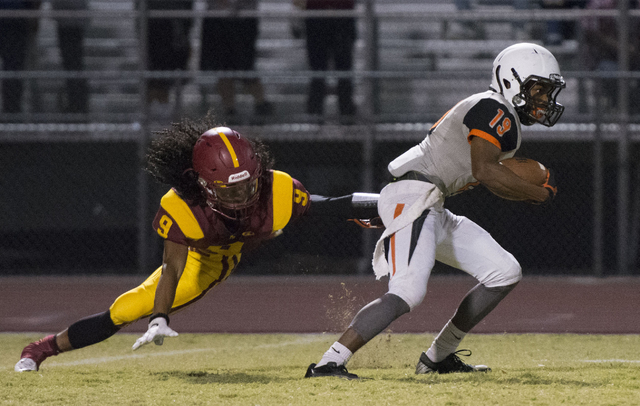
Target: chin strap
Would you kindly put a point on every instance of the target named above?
(228, 217)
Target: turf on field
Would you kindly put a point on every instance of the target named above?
(245, 369)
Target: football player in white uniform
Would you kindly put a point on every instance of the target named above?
(461, 150)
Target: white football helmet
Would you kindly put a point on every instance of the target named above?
(528, 76)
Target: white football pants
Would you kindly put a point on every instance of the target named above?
(443, 236)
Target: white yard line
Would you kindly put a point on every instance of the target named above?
(601, 361)
(307, 339)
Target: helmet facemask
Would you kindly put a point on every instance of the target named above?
(536, 101)
(234, 196)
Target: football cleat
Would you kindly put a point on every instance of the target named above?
(25, 365)
(330, 369)
(452, 363)
(34, 353)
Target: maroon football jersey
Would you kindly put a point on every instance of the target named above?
(282, 199)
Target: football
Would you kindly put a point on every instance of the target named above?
(528, 169)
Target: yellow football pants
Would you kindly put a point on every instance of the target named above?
(201, 273)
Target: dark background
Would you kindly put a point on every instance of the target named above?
(71, 208)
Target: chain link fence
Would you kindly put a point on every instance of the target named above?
(74, 199)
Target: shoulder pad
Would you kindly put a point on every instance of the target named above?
(282, 199)
(182, 214)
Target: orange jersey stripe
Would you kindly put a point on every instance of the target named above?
(396, 213)
(442, 118)
(484, 136)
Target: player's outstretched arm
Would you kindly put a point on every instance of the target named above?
(356, 205)
(174, 260)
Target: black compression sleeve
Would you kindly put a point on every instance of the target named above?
(92, 330)
(330, 206)
(342, 207)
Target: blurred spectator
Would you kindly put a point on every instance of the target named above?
(229, 44)
(16, 36)
(560, 30)
(475, 29)
(464, 29)
(70, 36)
(601, 50)
(168, 48)
(331, 38)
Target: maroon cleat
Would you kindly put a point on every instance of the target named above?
(34, 353)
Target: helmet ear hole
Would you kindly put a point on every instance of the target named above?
(517, 101)
(506, 83)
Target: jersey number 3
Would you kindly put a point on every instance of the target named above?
(502, 127)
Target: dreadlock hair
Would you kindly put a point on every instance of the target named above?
(169, 158)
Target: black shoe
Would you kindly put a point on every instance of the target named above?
(452, 363)
(330, 369)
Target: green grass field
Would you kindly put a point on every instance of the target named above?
(253, 369)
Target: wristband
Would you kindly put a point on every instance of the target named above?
(156, 315)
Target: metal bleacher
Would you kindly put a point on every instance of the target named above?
(408, 71)
(110, 45)
(426, 64)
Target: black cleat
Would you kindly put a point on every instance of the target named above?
(452, 363)
(330, 369)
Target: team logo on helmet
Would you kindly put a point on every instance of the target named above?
(237, 177)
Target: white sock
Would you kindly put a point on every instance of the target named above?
(445, 343)
(337, 353)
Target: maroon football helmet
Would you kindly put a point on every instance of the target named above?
(228, 171)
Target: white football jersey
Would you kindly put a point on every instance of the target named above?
(444, 156)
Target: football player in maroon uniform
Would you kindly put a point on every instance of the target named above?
(224, 200)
